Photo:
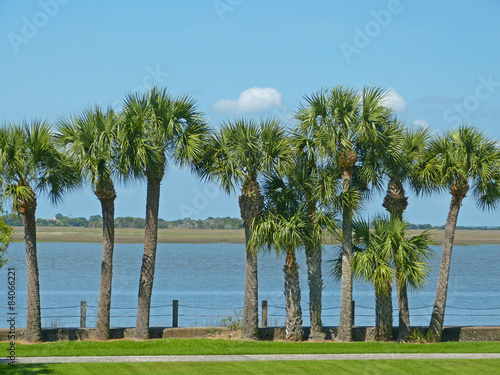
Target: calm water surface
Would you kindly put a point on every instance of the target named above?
(208, 280)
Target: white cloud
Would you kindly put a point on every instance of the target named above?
(255, 99)
(394, 100)
(421, 123)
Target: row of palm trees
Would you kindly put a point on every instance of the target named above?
(293, 183)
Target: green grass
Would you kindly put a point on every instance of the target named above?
(414, 367)
(222, 347)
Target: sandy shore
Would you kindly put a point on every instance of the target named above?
(129, 235)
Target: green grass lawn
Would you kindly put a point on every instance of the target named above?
(222, 347)
(414, 367)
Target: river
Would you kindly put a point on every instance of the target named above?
(208, 280)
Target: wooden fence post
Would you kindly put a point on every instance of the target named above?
(264, 313)
(83, 314)
(175, 313)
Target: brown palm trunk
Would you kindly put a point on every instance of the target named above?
(395, 203)
(251, 203)
(404, 311)
(437, 319)
(383, 313)
(313, 251)
(293, 326)
(315, 281)
(346, 321)
(34, 321)
(250, 328)
(148, 259)
(108, 237)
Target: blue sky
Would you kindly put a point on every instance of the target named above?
(437, 59)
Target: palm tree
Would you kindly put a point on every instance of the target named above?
(315, 186)
(286, 225)
(156, 129)
(90, 140)
(373, 264)
(399, 165)
(385, 253)
(284, 234)
(238, 154)
(464, 160)
(346, 125)
(30, 163)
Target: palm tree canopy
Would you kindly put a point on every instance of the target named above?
(465, 159)
(352, 130)
(377, 250)
(90, 139)
(30, 160)
(156, 129)
(344, 120)
(372, 253)
(285, 224)
(316, 178)
(242, 150)
(413, 145)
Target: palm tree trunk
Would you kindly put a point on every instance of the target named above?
(437, 319)
(383, 313)
(108, 236)
(293, 326)
(404, 311)
(34, 321)
(346, 321)
(395, 203)
(148, 258)
(250, 328)
(251, 204)
(315, 281)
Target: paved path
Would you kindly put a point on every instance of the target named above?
(259, 357)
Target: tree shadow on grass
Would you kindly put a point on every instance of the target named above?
(27, 369)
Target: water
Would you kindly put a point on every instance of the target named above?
(208, 280)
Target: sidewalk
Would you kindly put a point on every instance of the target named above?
(260, 357)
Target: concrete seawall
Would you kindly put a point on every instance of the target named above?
(486, 333)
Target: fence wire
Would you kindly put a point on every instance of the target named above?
(489, 312)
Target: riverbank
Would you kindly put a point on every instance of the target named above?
(132, 235)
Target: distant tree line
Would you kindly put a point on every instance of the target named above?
(459, 227)
(95, 221)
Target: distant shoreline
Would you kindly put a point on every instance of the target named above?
(132, 235)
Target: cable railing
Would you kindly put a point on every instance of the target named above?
(178, 312)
